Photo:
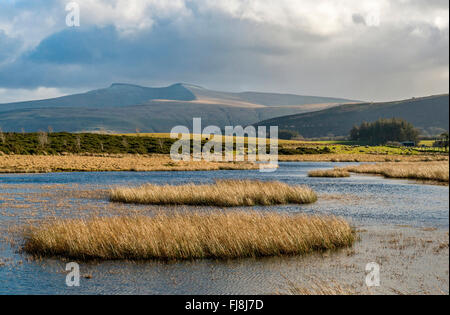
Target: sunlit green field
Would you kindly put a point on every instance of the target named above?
(335, 147)
(427, 143)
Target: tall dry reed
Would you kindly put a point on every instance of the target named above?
(334, 173)
(433, 171)
(320, 288)
(184, 236)
(110, 163)
(223, 193)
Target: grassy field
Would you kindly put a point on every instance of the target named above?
(429, 171)
(224, 193)
(361, 157)
(427, 143)
(109, 163)
(65, 152)
(298, 148)
(219, 235)
(148, 163)
(62, 143)
(323, 142)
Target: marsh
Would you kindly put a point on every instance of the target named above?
(402, 225)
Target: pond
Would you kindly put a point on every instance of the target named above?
(380, 206)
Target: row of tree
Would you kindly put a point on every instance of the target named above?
(383, 131)
(443, 142)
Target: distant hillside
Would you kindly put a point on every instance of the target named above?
(117, 95)
(431, 114)
(126, 107)
(262, 99)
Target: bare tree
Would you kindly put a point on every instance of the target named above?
(125, 143)
(43, 139)
(161, 144)
(2, 136)
(78, 143)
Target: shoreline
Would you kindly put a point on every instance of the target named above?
(41, 164)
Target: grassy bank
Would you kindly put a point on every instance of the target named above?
(361, 157)
(159, 162)
(224, 235)
(335, 173)
(109, 163)
(224, 193)
(429, 171)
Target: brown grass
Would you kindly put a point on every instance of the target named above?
(345, 157)
(148, 163)
(224, 193)
(320, 288)
(429, 171)
(184, 236)
(335, 173)
(109, 163)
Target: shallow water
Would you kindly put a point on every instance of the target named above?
(376, 204)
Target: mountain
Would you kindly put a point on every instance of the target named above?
(127, 107)
(117, 95)
(430, 114)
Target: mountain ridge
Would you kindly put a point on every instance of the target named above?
(177, 91)
(125, 107)
(430, 113)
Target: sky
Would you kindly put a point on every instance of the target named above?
(372, 50)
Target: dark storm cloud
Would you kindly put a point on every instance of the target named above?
(358, 19)
(394, 59)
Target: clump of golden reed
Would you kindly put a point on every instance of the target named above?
(334, 173)
(224, 193)
(320, 288)
(186, 236)
(429, 171)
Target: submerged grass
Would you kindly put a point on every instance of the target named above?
(186, 236)
(334, 173)
(223, 193)
(429, 171)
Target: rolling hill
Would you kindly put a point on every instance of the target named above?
(430, 114)
(126, 107)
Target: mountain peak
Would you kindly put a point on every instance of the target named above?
(187, 86)
(115, 85)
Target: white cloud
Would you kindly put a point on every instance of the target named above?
(321, 17)
(14, 95)
(362, 49)
(130, 16)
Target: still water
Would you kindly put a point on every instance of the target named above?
(368, 202)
